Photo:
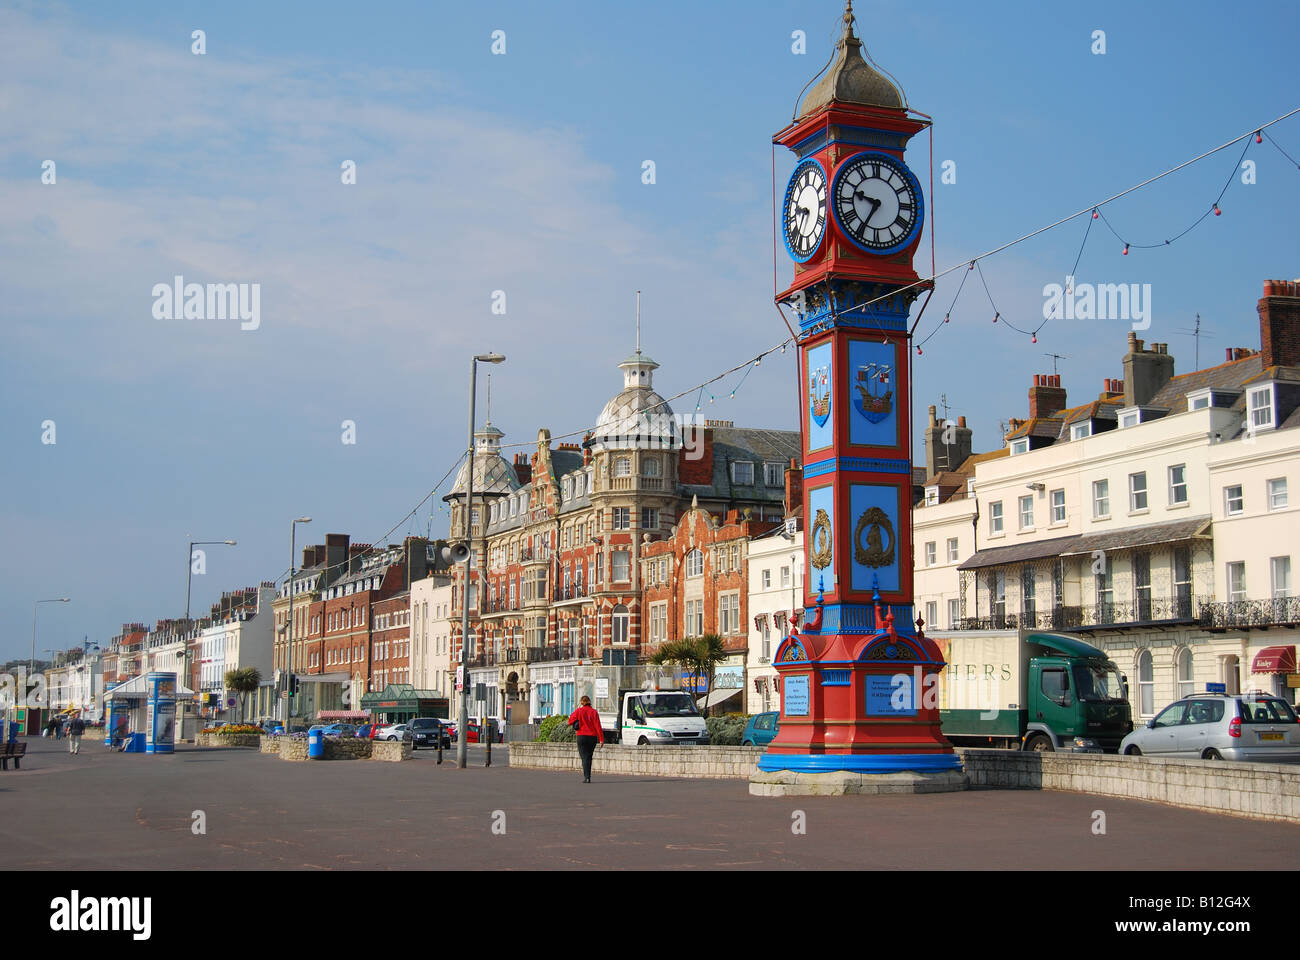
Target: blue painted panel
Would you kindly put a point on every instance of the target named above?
(819, 499)
(819, 397)
(874, 530)
(794, 696)
(876, 465)
(835, 678)
(873, 393)
(858, 762)
(890, 696)
(855, 618)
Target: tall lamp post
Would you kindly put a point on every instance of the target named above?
(288, 647)
(31, 664)
(462, 708)
(185, 643)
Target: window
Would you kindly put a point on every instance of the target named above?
(995, 517)
(620, 566)
(729, 614)
(767, 579)
(930, 556)
(1100, 499)
(954, 614)
(1058, 506)
(998, 597)
(663, 570)
(1183, 580)
(1237, 581)
(1130, 418)
(773, 474)
(931, 613)
(619, 624)
(1177, 484)
(649, 518)
(659, 623)
(566, 489)
(742, 472)
(1137, 491)
(952, 549)
(623, 467)
(1142, 584)
(694, 618)
(622, 518)
(1146, 685)
(1277, 493)
(765, 655)
(695, 564)
(1186, 682)
(1280, 571)
(1233, 501)
(650, 467)
(931, 496)
(1105, 586)
(1019, 446)
(1027, 512)
(600, 568)
(1028, 593)
(1055, 683)
(785, 576)
(1261, 407)
(1173, 715)
(1080, 431)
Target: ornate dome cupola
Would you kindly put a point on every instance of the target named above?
(637, 417)
(852, 79)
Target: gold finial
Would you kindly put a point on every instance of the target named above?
(848, 18)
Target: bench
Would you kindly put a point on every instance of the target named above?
(15, 751)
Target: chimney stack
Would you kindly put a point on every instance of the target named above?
(1279, 323)
(946, 447)
(1145, 371)
(1046, 396)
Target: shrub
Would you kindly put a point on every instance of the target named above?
(563, 733)
(552, 729)
(726, 731)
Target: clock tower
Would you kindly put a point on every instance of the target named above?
(858, 694)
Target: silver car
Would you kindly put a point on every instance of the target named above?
(1217, 726)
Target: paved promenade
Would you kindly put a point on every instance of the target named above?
(103, 810)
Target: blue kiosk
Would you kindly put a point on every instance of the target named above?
(142, 713)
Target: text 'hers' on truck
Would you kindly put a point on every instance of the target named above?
(1030, 690)
(642, 704)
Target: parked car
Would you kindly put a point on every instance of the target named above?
(500, 728)
(428, 732)
(1220, 726)
(760, 730)
(394, 731)
(335, 729)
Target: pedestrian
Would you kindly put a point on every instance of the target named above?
(76, 728)
(586, 725)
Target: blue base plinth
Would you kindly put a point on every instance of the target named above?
(858, 762)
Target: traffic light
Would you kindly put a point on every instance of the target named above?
(293, 684)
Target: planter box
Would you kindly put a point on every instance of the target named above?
(269, 745)
(291, 749)
(237, 740)
(390, 750)
(347, 748)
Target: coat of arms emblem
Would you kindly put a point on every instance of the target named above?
(819, 394)
(873, 396)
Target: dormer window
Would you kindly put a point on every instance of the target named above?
(567, 489)
(1081, 431)
(1260, 406)
(1019, 446)
(742, 472)
(931, 496)
(1129, 418)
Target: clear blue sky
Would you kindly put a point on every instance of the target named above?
(522, 173)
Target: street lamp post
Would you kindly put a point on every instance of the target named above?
(31, 664)
(288, 647)
(462, 707)
(185, 642)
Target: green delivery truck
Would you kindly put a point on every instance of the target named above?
(1031, 690)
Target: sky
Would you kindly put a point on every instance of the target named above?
(521, 172)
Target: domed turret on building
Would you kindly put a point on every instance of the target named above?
(852, 79)
(493, 474)
(637, 417)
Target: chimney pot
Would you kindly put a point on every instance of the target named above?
(961, 421)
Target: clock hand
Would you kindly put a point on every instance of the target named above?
(875, 204)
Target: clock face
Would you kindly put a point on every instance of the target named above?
(804, 215)
(877, 202)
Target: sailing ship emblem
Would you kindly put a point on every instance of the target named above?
(819, 394)
(873, 396)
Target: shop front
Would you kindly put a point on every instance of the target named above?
(400, 702)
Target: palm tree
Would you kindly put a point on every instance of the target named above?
(698, 656)
(243, 682)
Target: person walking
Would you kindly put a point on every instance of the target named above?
(586, 725)
(76, 729)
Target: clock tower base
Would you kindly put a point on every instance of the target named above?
(841, 783)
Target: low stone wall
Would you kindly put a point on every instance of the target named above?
(347, 748)
(291, 749)
(1261, 791)
(737, 763)
(269, 745)
(390, 750)
(236, 740)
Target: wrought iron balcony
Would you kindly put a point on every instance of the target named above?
(1279, 611)
(573, 592)
(1155, 610)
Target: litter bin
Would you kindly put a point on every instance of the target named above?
(316, 745)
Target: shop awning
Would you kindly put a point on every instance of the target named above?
(342, 715)
(138, 687)
(1274, 660)
(717, 696)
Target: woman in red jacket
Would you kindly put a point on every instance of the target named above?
(586, 724)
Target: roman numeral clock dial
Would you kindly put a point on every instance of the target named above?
(877, 202)
(804, 214)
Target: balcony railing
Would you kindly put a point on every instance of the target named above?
(627, 484)
(572, 592)
(501, 605)
(1279, 611)
(1161, 609)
